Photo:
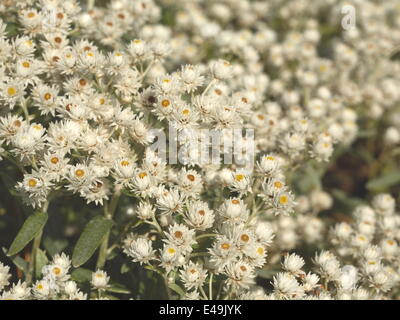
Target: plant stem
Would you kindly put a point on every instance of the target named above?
(210, 287)
(168, 290)
(208, 87)
(90, 4)
(36, 244)
(109, 211)
(31, 271)
(203, 293)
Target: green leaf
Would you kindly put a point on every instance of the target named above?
(81, 275)
(118, 288)
(109, 296)
(21, 264)
(384, 182)
(40, 261)
(177, 289)
(267, 273)
(90, 239)
(343, 197)
(30, 229)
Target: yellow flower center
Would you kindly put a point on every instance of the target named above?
(26, 64)
(32, 183)
(283, 199)
(79, 173)
(278, 184)
(124, 163)
(142, 175)
(171, 250)
(165, 103)
(190, 177)
(47, 96)
(11, 91)
(225, 246)
(56, 271)
(54, 160)
(239, 177)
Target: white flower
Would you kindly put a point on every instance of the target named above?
(4, 276)
(293, 263)
(100, 279)
(140, 250)
(348, 278)
(193, 275)
(286, 286)
(221, 69)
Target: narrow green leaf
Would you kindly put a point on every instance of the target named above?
(30, 229)
(385, 181)
(109, 296)
(81, 275)
(90, 239)
(118, 288)
(40, 261)
(177, 289)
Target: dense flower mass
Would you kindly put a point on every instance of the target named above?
(205, 145)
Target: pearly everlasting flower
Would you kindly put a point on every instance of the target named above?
(100, 279)
(193, 275)
(140, 250)
(4, 276)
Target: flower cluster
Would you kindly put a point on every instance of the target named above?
(56, 283)
(90, 94)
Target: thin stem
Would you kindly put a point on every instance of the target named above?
(210, 286)
(36, 244)
(31, 271)
(147, 69)
(203, 293)
(220, 290)
(25, 110)
(109, 211)
(208, 87)
(90, 4)
(167, 289)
